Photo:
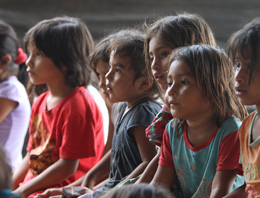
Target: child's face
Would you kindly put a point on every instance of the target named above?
(102, 69)
(42, 69)
(120, 80)
(183, 96)
(248, 94)
(158, 53)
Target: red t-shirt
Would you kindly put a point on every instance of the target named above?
(73, 129)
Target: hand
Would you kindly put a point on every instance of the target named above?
(50, 192)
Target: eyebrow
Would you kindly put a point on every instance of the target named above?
(160, 47)
(182, 74)
(118, 65)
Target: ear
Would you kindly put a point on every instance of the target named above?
(64, 68)
(5, 61)
(145, 83)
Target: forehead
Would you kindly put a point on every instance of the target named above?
(121, 60)
(179, 67)
(31, 45)
(157, 42)
(102, 65)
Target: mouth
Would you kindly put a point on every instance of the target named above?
(158, 76)
(109, 89)
(30, 72)
(172, 103)
(240, 91)
(105, 93)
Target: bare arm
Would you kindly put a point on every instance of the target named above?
(98, 173)
(222, 183)
(110, 137)
(20, 172)
(147, 151)
(94, 176)
(239, 192)
(6, 106)
(53, 175)
(164, 176)
(150, 170)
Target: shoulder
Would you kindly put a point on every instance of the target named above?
(149, 105)
(170, 130)
(231, 124)
(13, 90)
(246, 124)
(146, 108)
(79, 96)
(249, 118)
(142, 114)
(80, 102)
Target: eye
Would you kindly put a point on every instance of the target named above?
(237, 65)
(151, 58)
(117, 70)
(164, 54)
(184, 82)
(169, 84)
(38, 53)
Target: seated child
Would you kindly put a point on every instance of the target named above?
(66, 127)
(244, 50)
(14, 103)
(200, 149)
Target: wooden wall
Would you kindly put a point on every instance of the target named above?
(104, 16)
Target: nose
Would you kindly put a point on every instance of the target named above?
(172, 90)
(155, 64)
(108, 76)
(28, 62)
(102, 82)
(240, 75)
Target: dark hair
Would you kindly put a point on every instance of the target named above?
(214, 74)
(178, 31)
(131, 44)
(244, 42)
(101, 51)
(68, 42)
(9, 44)
(138, 190)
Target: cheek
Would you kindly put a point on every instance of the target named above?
(164, 64)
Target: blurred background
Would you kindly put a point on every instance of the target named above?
(105, 16)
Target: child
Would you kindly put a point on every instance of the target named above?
(200, 147)
(66, 129)
(244, 50)
(14, 103)
(128, 81)
(99, 62)
(163, 36)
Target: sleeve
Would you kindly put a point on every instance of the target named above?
(10, 91)
(228, 158)
(154, 132)
(78, 132)
(166, 152)
(144, 114)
